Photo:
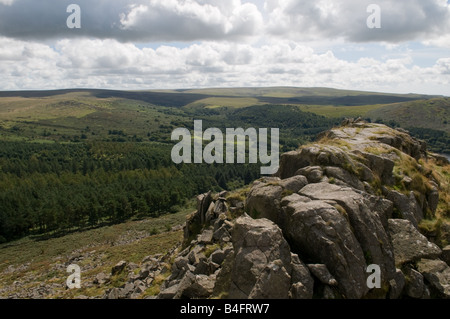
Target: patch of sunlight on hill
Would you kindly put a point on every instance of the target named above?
(340, 111)
(217, 102)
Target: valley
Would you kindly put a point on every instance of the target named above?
(80, 169)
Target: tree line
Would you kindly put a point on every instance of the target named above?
(60, 187)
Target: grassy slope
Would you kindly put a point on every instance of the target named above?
(432, 114)
(340, 111)
(50, 115)
(45, 261)
(74, 114)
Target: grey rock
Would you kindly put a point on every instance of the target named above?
(328, 293)
(118, 268)
(184, 284)
(415, 287)
(143, 274)
(179, 267)
(228, 250)
(396, 285)
(364, 173)
(101, 279)
(407, 205)
(299, 291)
(383, 207)
(300, 275)
(220, 207)
(445, 256)
(195, 286)
(195, 255)
(314, 174)
(366, 223)
(380, 166)
(127, 290)
(321, 272)
(344, 176)
(203, 202)
(437, 273)
(294, 198)
(210, 215)
(218, 223)
(407, 181)
(257, 244)
(218, 256)
(295, 183)
(203, 286)
(114, 294)
(132, 266)
(410, 245)
(291, 162)
(273, 283)
(169, 293)
(202, 267)
(206, 237)
(222, 234)
(263, 201)
(212, 268)
(320, 231)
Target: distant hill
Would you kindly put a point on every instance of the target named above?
(273, 95)
(76, 114)
(431, 114)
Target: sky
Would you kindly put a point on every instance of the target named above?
(400, 46)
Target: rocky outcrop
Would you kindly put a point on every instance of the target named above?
(409, 244)
(262, 259)
(354, 199)
(437, 273)
(322, 234)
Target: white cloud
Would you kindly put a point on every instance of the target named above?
(133, 20)
(190, 20)
(225, 43)
(400, 20)
(7, 2)
(116, 65)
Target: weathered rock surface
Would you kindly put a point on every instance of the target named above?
(437, 273)
(366, 224)
(301, 280)
(409, 244)
(407, 205)
(415, 286)
(445, 256)
(261, 255)
(264, 200)
(319, 231)
(321, 272)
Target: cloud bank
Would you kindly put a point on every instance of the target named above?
(112, 64)
(128, 21)
(143, 44)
